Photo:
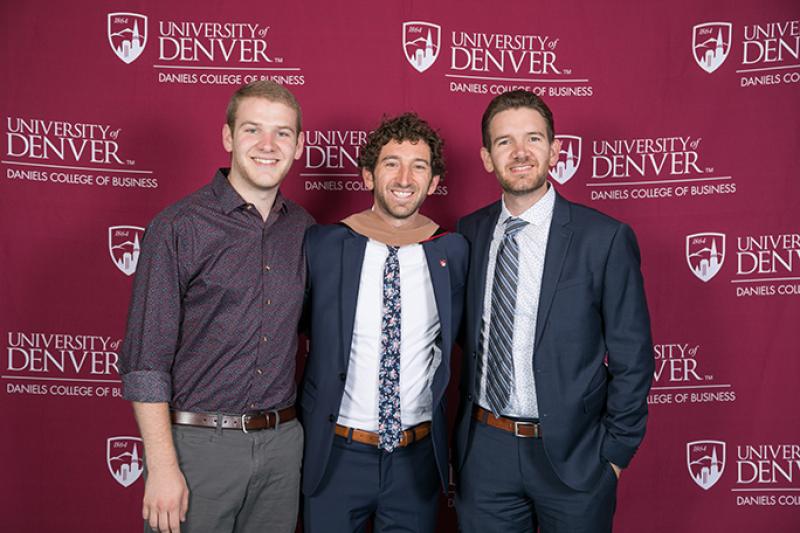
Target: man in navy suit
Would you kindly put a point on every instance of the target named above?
(557, 350)
(386, 290)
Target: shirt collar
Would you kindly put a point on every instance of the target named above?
(537, 214)
(229, 199)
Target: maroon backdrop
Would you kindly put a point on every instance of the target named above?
(678, 117)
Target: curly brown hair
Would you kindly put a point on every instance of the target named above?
(405, 127)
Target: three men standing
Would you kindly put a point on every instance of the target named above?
(557, 351)
(209, 355)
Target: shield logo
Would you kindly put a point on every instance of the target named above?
(705, 460)
(421, 43)
(123, 457)
(705, 253)
(123, 245)
(569, 158)
(127, 35)
(711, 43)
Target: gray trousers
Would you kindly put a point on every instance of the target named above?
(240, 482)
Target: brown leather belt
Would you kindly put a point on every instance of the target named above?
(252, 421)
(407, 437)
(517, 427)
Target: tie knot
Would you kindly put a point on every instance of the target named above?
(392, 250)
(514, 225)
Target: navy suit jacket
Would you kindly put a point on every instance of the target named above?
(335, 255)
(591, 305)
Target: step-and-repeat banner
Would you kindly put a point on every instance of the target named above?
(680, 117)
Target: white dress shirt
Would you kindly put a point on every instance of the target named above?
(532, 240)
(419, 329)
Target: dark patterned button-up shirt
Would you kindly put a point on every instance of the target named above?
(218, 293)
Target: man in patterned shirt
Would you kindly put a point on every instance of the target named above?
(386, 289)
(209, 355)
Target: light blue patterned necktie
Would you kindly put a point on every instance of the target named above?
(389, 426)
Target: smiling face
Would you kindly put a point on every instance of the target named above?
(401, 180)
(519, 153)
(263, 143)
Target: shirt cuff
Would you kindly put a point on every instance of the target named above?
(147, 386)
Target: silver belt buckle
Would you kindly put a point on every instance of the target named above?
(518, 424)
(244, 428)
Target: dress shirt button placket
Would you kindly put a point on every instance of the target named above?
(265, 281)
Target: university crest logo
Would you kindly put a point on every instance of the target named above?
(569, 158)
(421, 43)
(711, 43)
(705, 254)
(123, 245)
(705, 460)
(124, 459)
(127, 35)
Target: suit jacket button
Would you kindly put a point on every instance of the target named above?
(332, 418)
(342, 376)
(469, 397)
(474, 355)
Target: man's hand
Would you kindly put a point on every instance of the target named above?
(166, 495)
(617, 470)
(166, 499)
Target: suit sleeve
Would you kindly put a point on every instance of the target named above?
(629, 346)
(304, 326)
(461, 326)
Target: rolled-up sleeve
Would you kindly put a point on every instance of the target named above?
(154, 316)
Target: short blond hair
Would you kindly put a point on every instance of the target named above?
(269, 90)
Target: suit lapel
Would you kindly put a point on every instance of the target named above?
(481, 243)
(353, 249)
(440, 279)
(557, 246)
(436, 256)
